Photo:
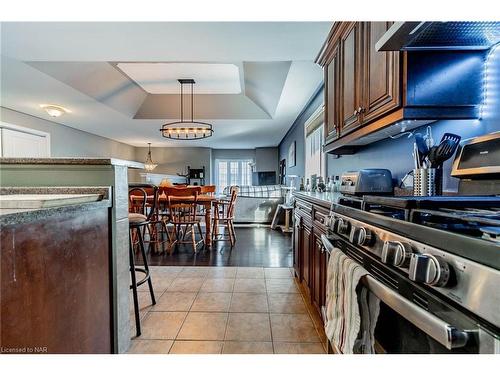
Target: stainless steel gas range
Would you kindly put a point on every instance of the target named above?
(434, 263)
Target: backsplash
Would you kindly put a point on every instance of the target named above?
(395, 154)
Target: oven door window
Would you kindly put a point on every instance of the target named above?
(395, 334)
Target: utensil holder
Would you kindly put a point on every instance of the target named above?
(427, 182)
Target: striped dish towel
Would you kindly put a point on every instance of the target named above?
(343, 318)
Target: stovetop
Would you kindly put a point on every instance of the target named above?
(475, 216)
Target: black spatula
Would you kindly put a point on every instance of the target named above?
(443, 152)
(452, 137)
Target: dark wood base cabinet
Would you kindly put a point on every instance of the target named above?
(55, 284)
(310, 259)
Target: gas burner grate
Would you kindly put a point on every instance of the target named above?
(467, 221)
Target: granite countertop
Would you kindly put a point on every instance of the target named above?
(73, 161)
(12, 216)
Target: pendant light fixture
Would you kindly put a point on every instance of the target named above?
(187, 129)
(148, 164)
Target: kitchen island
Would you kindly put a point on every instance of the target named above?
(59, 175)
(55, 271)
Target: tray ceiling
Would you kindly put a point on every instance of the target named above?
(162, 78)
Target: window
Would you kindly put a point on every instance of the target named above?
(315, 159)
(233, 172)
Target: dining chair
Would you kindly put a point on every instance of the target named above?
(224, 216)
(182, 206)
(141, 212)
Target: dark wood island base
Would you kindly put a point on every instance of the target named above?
(56, 280)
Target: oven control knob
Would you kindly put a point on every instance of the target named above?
(334, 224)
(429, 269)
(365, 237)
(343, 226)
(361, 236)
(396, 253)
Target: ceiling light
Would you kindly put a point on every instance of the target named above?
(186, 129)
(148, 164)
(54, 110)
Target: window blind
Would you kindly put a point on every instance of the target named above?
(315, 120)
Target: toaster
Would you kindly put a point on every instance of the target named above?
(366, 181)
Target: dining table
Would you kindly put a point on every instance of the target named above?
(205, 200)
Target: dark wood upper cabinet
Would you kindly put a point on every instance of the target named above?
(351, 55)
(381, 92)
(361, 84)
(332, 71)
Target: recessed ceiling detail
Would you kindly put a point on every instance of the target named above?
(161, 78)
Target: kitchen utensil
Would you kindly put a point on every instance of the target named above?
(444, 151)
(453, 143)
(416, 156)
(414, 159)
(421, 144)
(423, 150)
(431, 157)
(452, 137)
(428, 138)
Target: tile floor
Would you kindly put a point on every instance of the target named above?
(224, 310)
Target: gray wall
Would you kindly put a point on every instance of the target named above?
(296, 133)
(266, 159)
(66, 141)
(173, 160)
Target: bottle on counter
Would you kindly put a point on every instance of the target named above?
(336, 184)
(321, 185)
(308, 185)
(328, 185)
(301, 187)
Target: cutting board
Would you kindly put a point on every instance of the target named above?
(45, 200)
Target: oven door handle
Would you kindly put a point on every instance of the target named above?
(446, 334)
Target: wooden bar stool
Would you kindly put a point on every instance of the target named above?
(138, 221)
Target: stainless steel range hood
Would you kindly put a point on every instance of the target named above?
(411, 36)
